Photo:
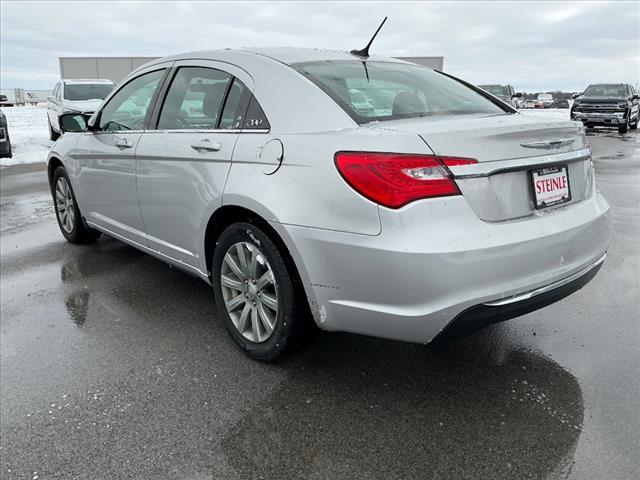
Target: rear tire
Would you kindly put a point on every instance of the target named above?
(68, 214)
(53, 135)
(242, 295)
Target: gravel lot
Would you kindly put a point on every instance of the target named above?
(113, 365)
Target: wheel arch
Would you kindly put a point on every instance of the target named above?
(52, 164)
(226, 215)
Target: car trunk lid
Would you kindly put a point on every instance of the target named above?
(508, 148)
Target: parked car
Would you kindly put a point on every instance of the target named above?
(506, 93)
(5, 141)
(529, 104)
(560, 103)
(418, 219)
(545, 99)
(75, 96)
(607, 105)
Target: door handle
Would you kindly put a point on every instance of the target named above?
(123, 142)
(206, 145)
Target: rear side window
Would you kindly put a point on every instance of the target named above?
(375, 91)
(233, 110)
(255, 119)
(194, 99)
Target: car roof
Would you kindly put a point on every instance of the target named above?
(285, 55)
(74, 81)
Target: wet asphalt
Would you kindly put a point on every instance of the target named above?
(114, 365)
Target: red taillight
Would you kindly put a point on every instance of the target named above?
(394, 179)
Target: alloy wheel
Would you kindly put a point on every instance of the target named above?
(250, 291)
(64, 205)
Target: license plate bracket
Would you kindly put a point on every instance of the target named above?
(550, 186)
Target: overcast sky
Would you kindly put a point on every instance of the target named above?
(534, 46)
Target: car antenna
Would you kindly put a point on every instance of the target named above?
(365, 51)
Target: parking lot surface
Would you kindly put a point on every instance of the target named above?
(114, 365)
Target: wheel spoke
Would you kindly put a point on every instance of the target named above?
(255, 328)
(243, 321)
(264, 280)
(266, 319)
(242, 259)
(235, 303)
(60, 196)
(253, 264)
(231, 283)
(270, 301)
(233, 265)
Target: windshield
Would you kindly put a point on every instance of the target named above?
(370, 91)
(87, 91)
(498, 90)
(606, 91)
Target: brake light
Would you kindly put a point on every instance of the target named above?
(394, 179)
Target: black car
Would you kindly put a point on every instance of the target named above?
(562, 103)
(5, 142)
(608, 105)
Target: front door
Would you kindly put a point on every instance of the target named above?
(183, 163)
(106, 159)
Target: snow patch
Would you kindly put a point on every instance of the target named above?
(29, 135)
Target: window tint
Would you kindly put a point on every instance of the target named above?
(255, 119)
(128, 108)
(384, 91)
(194, 99)
(233, 108)
(87, 91)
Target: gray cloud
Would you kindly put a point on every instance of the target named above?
(532, 45)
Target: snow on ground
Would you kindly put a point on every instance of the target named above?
(29, 135)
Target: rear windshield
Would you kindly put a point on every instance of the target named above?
(606, 91)
(87, 91)
(496, 89)
(370, 91)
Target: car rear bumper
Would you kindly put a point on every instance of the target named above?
(436, 259)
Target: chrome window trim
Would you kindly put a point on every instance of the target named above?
(201, 131)
(485, 169)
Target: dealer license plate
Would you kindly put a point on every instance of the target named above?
(550, 186)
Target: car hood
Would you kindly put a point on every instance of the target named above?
(82, 105)
(600, 99)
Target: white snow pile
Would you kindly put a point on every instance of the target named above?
(29, 135)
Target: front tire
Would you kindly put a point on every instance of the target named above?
(623, 128)
(67, 211)
(258, 293)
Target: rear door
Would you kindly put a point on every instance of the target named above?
(182, 164)
(106, 157)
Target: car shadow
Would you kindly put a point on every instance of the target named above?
(355, 407)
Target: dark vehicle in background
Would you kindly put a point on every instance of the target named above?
(506, 93)
(607, 105)
(560, 103)
(75, 96)
(5, 142)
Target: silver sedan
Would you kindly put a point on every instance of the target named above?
(319, 190)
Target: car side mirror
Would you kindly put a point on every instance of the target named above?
(635, 96)
(73, 122)
(575, 95)
(517, 95)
